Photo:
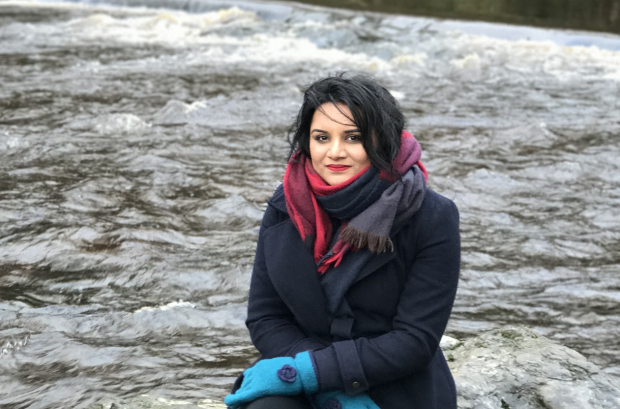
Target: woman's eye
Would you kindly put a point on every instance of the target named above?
(355, 138)
(320, 138)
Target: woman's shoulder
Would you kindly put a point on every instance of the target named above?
(277, 200)
(276, 209)
(275, 212)
(434, 227)
(434, 202)
(436, 210)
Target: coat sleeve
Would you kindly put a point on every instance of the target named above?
(422, 315)
(270, 322)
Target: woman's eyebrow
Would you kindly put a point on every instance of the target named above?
(355, 130)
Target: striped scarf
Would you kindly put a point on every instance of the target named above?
(369, 204)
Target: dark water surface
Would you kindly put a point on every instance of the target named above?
(138, 148)
(597, 15)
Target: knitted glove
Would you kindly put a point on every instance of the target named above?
(276, 376)
(339, 400)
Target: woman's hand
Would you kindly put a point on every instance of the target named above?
(276, 376)
(339, 400)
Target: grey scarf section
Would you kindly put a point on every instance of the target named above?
(384, 218)
(373, 227)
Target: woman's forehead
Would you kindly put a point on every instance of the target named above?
(330, 112)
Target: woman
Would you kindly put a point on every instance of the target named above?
(356, 266)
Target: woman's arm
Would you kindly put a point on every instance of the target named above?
(270, 322)
(422, 315)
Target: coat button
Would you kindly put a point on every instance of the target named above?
(355, 384)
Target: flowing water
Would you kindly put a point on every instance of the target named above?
(138, 147)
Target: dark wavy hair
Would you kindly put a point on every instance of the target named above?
(375, 113)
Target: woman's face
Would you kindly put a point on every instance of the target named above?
(336, 149)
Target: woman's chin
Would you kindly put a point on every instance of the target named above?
(336, 178)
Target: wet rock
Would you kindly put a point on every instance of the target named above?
(147, 402)
(507, 368)
(515, 368)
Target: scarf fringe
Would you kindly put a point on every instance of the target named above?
(360, 239)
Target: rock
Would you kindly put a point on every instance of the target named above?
(507, 368)
(449, 343)
(515, 368)
(147, 402)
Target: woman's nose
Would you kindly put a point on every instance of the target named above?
(336, 150)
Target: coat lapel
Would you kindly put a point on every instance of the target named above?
(375, 263)
(294, 275)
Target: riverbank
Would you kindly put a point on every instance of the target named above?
(508, 368)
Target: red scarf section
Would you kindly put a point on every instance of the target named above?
(302, 183)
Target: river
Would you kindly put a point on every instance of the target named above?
(138, 146)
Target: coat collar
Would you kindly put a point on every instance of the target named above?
(375, 263)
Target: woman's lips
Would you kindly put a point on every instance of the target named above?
(337, 168)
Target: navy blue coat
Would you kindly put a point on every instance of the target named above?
(400, 304)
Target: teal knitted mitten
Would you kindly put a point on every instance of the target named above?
(339, 400)
(276, 376)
